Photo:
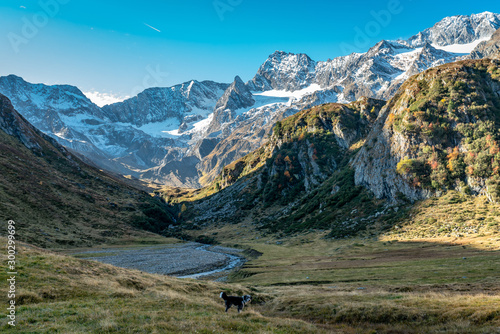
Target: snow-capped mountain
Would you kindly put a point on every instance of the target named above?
(176, 134)
(294, 81)
(123, 138)
(374, 72)
(49, 107)
(183, 102)
(458, 30)
(284, 71)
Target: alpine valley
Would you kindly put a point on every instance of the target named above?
(360, 194)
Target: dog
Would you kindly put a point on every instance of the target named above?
(236, 301)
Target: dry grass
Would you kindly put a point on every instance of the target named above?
(61, 294)
(386, 311)
(304, 284)
(352, 286)
(451, 216)
(448, 285)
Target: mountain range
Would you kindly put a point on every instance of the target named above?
(184, 135)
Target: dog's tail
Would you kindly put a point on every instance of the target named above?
(223, 295)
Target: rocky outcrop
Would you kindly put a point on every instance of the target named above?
(375, 164)
(429, 57)
(236, 96)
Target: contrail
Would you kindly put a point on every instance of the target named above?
(151, 27)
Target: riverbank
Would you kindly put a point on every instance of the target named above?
(187, 260)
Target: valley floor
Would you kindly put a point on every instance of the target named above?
(304, 285)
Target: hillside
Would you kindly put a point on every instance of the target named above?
(58, 201)
(439, 132)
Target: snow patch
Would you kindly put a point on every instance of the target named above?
(460, 48)
(295, 94)
(160, 129)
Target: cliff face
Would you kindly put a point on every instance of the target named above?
(439, 132)
(375, 165)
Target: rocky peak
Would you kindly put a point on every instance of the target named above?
(384, 47)
(236, 96)
(284, 71)
(428, 57)
(459, 29)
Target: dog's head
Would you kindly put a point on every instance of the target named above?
(247, 299)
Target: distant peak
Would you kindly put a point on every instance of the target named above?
(383, 44)
(280, 53)
(238, 80)
(13, 77)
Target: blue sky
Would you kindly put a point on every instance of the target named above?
(122, 47)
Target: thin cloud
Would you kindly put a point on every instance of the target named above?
(147, 25)
(102, 99)
(23, 7)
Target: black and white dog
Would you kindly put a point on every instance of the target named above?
(236, 301)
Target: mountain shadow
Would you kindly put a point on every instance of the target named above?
(58, 201)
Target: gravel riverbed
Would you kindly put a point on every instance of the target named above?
(189, 260)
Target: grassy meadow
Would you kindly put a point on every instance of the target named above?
(431, 273)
